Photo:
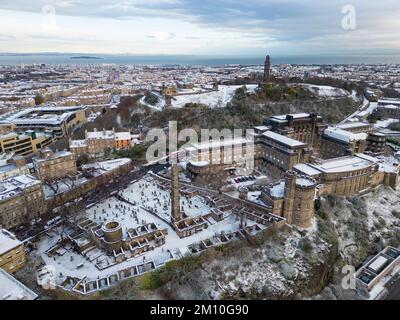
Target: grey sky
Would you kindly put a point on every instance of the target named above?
(207, 27)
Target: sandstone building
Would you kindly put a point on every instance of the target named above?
(21, 201)
(337, 142)
(12, 252)
(96, 143)
(57, 121)
(388, 108)
(278, 153)
(313, 160)
(305, 127)
(51, 166)
(292, 198)
(24, 144)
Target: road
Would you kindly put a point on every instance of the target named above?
(363, 107)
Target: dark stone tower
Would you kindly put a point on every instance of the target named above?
(175, 196)
(168, 101)
(216, 85)
(267, 69)
(289, 196)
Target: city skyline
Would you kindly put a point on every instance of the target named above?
(289, 27)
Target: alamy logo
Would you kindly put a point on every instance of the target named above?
(349, 279)
(216, 147)
(349, 20)
(49, 20)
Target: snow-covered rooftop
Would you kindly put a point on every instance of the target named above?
(199, 163)
(278, 190)
(107, 165)
(294, 115)
(304, 182)
(389, 106)
(15, 185)
(8, 241)
(344, 164)
(42, 115)
(351, 125)
(343, 135)
(77, 143)
(12, 289)
(306, 169)
(262, 128)
(378, 263)
(123, 136)
(102, 134)
(283, 139)
(389, 102)
(53, 156)
(220, 143)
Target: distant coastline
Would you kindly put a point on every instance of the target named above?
(86, 57)
(189, 60)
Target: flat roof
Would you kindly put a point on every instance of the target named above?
(30, 116)
(123, 136)
(343, 135)
(295, 116)
(15, 185)
(304, 182)
(278, 190)
(283, 139)
(378, 264)
(77, 143)
(350, 125)
(100, 134)
(219, 143)
(350, 163)
(262, 128)
(56, 155)
(12, 289)
(306, 169)
(8, 241)
(389, 101)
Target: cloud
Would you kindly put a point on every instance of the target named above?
(161, 35)
(283, 26)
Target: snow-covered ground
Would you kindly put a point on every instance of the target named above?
(215, 99)
(363, 111)
(145, 193)
(327, 91)
(382, 205)
(276, 266)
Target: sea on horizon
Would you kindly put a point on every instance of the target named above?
(188, 60)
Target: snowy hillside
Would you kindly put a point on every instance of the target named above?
(215, 99)
(218, 99)
(327, 91)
